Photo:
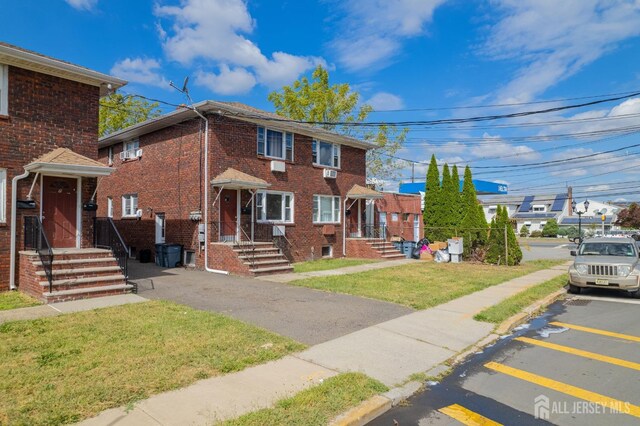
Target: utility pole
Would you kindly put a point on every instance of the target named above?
(413, 172)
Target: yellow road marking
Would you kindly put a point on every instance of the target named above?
(466, 416)
(574, 391)
(580, 352)
(597, 331)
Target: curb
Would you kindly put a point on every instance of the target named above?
(380, 404)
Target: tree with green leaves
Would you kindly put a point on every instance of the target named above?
(457, 207)
(432, 201)
(449, 195)
(334, 107)
(497, 253)
(474, 223)
(550, 229)
(118, 111)
(524, 231)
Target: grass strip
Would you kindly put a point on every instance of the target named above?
(326, 264)
(63, 369)
(15, 300)
(317, 405)
(422, 285)
(514, 304)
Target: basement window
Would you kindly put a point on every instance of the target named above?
(327, 251)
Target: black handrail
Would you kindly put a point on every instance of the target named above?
(35, 239)
(106, 236)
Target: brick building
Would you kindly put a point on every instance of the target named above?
(401, 215)
(242, 187)
(48, 171)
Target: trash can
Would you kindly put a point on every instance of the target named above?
(161, 255)
(145, 256)
(408, 248)
(174, 255)
(455, 249)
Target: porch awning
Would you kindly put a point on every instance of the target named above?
(63, 161)
(235, 179)
(360, 192)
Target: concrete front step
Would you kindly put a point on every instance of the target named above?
(394, 256)
(84, 282)
(80, 272)
(261, 256)
(271, 270)
(262, 263)
(261, 250)
(85, 262)
(86, 293)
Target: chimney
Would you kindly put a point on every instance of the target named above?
(570, 200)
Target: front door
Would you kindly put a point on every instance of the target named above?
(228, 214)
(60, 210)
(354, 218)
(160, 228)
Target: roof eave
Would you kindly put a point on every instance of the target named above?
(69, 169)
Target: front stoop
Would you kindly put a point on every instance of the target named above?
(262, 258)
(372, 248)
(77, 274)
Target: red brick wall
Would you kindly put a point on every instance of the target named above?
(166, 180)
(45, 113)
(29, 281)
(359, 249)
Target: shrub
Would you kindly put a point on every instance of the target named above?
(524, 231)
(536, 234)
(550, 228)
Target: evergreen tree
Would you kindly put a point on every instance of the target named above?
(495, 251)
(458, 207)
(550, 228)
(524, 231)
(431, 199)
(474, 223)
(446, 215)
(514, 250)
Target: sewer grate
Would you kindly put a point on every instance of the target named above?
(577, 302)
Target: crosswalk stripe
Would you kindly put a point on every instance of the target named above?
(597, 331)
(574, 391)
(466, 416)
(580, 352)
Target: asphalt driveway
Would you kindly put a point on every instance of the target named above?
(306, 315)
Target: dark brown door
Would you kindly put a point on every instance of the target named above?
(59, 211)
(228, 213)
(354, 230)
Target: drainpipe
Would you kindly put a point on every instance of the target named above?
(12, 248)
(206, 197)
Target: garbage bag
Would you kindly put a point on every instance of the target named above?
(442, 256)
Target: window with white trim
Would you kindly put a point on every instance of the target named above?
(275, 144)
(326, 209)
(4, 90)
(539, 208)
(3, 195)
(272, 206)
(130, 149)
(109, 206)
(110, 155)
(394, 217)
(325, 154)
(129, 205)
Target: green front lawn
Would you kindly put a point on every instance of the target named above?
(514, 304)
(325, 264)
(15, 300)
(422, 285)
(63, 369)
(317, 405)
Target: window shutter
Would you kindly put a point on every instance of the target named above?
(260, 140)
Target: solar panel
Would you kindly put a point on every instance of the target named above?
(526, 204)
(558, 203)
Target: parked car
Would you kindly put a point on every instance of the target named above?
(609, 262)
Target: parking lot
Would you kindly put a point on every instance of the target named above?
(577, 364)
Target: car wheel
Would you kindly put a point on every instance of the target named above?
(635, 294)
(574, 289)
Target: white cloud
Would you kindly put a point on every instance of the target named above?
(373, 30)
(556, 39)
(494, 146)
(140, 70)
(215, 32)
(228, 81)
(598, 188)
(83, 4)
(383, 101)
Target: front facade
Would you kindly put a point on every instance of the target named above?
(48, 152)
(237, 176)
(401, 214)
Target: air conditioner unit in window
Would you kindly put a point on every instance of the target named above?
(139, 152)
(277, 166)
(330, 174)
(126, 155)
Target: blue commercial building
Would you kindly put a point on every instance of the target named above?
(483, 187)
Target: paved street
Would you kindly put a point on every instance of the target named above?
(306, 315)
(536, 249)
(580, 362)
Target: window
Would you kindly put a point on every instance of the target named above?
(109, 207)
(539, 208)
(130, 150)
(110, 155)
(275, 144)
(4, 90)
(274, 206)
(405, 217)
(394, 217)
(326, 209)
(3, 195)
(325, 154)
(129, 205)
(327, 251)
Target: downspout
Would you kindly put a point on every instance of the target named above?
(12, 248)
(206, 197)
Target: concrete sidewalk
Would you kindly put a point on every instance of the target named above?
(390, 352)
(60, 308)
(286, 278)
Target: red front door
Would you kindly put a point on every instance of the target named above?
(228, 213)
(59, 210)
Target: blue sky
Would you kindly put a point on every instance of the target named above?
(407, 58)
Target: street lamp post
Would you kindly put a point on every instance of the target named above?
(580, 213)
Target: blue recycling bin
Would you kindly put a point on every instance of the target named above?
(408, 248)
(161, 255)
(173, 255)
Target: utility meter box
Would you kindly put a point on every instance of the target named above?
(455, 246)
(201, 232)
